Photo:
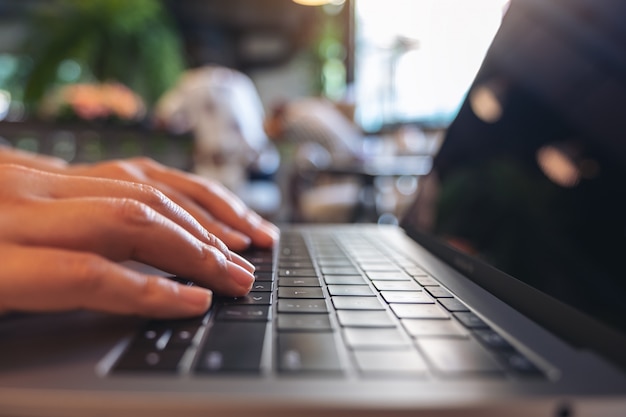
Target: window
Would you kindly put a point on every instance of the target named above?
(415, 59)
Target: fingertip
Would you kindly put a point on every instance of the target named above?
(272, 231)
(268, 234)
(237, 241)
(242, 277)
(243, 262)
(197, 299)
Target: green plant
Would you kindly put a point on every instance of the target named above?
(131, 42)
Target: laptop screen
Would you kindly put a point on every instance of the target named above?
(531, 176)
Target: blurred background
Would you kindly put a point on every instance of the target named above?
(311, 111)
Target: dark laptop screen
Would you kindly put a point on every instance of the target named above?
(531, 177)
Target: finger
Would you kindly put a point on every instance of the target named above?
(122, 229)
(233, 239)
(63, 280)
(61, 186)
(216, 199)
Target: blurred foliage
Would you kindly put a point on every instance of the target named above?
(331, 51)
(131, 42)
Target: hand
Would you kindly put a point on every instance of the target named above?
(61, 238)
(216, 208)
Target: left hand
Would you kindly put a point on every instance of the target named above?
(215, 207)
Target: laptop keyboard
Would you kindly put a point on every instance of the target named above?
(331, 305)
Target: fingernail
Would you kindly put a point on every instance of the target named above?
(240, 275)
(241, 261)
(196, 296)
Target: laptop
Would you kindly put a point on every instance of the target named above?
(502, 292)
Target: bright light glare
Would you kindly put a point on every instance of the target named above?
(485, 104)
(312, 2)
(397, 81)
(557, 166)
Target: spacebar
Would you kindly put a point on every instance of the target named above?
(308, 352)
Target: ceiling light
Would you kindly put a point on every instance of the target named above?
(312, 2)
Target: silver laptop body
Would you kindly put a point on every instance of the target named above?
(501, 294)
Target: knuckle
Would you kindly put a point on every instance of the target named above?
(86, 271)
(120, 169)
(133, 212)
(147, 287)
(11, 179)
(161, 203)
(152, 196)
(215, 258)
(151, 293)
(217, 243)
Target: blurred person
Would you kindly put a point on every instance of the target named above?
(320, 133)
(314, 137)
(222, 108)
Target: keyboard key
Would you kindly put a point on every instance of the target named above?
(402, 362)
(303, 322)
(339, 270)
(453, 356)
(410, 297)
(296, 265)
(439, 292)
(426, 281)
(387, 276)
(302, 306)
(300, 292)
(397, 286)
(419, 311)
(308, 352)
(232, 347)
(366, 338)
(264, 267)
(428, 328)
(364, 318)
(298, 273)
(334, 262)
(263, 286)
(357, 303)
(471, 320)
(344, 279)
(182, 336)
(263, 276)
(295, 251)
(259, 258)
(151, 334)
(452, 304)
(298, 282)
(372, 266)
(415, 271)
(493, 340)
(519, 364)
(166, 333)
(252, 298)
(243, 313)
(138, 358)
(350, 290)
